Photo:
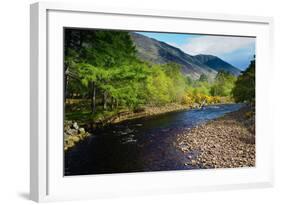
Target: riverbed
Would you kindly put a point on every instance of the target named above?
(146, 144)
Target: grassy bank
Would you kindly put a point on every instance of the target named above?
(77, 110)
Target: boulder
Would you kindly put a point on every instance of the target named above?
(75, 126)
(65, 135)
(75, 138)
(72, 132)
(82, 130)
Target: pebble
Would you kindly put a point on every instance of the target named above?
(73, 134)
(226, 142)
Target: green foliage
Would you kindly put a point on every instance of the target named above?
(158, 86)
(101, 67)
(206, 92)
(244, 90)
(203, 78)
(177, 85)
(223, 85)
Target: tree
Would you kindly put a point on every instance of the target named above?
(223, 85)
(178, 82)
(157, 86)
(203, 78)
(244, 90)
(92, 53)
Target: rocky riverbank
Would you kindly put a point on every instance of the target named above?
(73, 134)
(226, 142)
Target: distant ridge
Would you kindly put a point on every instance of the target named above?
(154, 51)
(218, 64)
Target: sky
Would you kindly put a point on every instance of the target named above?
(237, 51)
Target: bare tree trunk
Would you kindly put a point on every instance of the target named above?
(112, 103)
(65, 82)
(104, 100)
(93, 98)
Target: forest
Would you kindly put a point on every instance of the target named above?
(103, 77)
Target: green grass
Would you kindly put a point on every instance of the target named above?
(86, 117)
(83, 117)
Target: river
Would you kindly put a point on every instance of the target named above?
(146, 144)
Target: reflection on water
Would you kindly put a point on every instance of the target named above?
(146, 144)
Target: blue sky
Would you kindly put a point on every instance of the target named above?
(237, 51)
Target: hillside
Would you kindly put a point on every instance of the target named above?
(218, 64)
(158, 52)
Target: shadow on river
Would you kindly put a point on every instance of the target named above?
(146, 144)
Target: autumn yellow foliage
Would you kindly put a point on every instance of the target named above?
(199, 98)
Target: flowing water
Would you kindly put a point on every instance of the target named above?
(146, 144)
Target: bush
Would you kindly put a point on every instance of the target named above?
(244, 90)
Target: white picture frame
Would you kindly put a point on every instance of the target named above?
(47, 182)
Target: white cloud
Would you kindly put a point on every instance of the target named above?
(215, 45)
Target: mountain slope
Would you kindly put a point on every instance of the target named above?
(218, 64)
(158, 52)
